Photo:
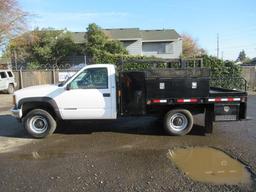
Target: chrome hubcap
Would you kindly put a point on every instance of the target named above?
(178, 122)
(38, 124)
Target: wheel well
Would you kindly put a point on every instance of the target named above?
(11, 84)
(27, 107)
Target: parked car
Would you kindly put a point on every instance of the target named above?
(7, 81)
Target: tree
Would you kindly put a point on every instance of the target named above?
(12, 20)
(242, 57)
(53, 46)
(98, 44)
(190, 47)
(41, 47)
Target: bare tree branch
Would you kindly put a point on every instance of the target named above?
(12, 19)
(191, 47)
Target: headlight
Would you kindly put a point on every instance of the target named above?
(14, 100)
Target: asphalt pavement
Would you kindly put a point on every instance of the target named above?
(129, 154)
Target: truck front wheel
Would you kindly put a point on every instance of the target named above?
(39, 123)
(10, 89)
(178, 122)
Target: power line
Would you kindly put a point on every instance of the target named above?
(228, 33)
(238, 35)
(246, 51)
(233, 31)
(240, 46)
(242, 28)
(248, 46)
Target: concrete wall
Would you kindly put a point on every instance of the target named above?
(249, 73)
(178, 48)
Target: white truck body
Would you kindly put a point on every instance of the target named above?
(76, 103)
(91, 94)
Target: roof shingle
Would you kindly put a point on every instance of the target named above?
(165, 34)
(131, 34)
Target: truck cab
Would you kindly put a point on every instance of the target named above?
(89, 94)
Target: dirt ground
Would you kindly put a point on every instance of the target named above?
(125, 155)
(5, 102)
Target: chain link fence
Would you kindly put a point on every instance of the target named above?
(46, 74)
(54, 74)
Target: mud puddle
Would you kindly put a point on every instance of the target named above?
(208, 165)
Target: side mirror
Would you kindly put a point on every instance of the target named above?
(68, 87)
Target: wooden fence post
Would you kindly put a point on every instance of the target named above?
(21, 78)
(53, 76)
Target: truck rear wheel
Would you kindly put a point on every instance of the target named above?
(178, 122)
(39, 123)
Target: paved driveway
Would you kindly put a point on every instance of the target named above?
(125, 155)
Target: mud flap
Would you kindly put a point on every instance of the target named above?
(208, 119)
(226, 112)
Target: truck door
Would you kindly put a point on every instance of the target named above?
(89, 95)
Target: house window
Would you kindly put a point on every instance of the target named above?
(158, 48)
(169, 47)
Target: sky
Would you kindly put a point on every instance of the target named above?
(233, 20)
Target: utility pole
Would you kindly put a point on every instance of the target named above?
(15, 59)
(218, 45)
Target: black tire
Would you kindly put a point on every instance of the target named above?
(183, 120)
(10, 89)
(39, 123)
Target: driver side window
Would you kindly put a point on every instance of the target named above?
(92, 78)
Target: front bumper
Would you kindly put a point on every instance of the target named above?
(16, 112)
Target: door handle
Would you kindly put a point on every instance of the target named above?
(106, 94)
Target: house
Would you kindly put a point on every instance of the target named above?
(166, 43)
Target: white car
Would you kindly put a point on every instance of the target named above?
(7, 81)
